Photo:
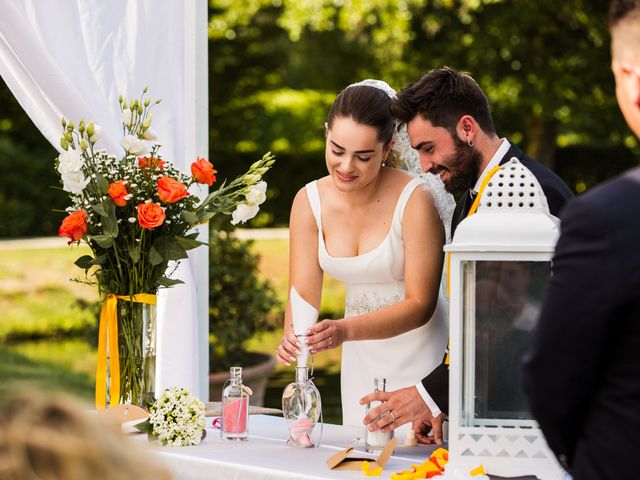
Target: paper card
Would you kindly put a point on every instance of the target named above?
(304, 316)
(342, 460)
(125, 415)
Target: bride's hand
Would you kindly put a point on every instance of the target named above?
(325, 335)
(289, 347)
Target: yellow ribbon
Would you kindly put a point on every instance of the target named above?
(108, 334)
(472, 210)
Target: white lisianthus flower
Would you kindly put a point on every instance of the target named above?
(149, 134)
(134, 145)
(71, 161)
(74, 182)
(127, 117)
(244, 212)
(257, 193)
(97, 134)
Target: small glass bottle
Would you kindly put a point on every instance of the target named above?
(235, 408)
(376, 441)
(301, 408)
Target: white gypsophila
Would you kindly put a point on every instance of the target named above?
(177, 418)
(149, 134)
(126, 117)
(134, 145)
(70, 161)
(244, 212)
(74, 182)
(257, 193)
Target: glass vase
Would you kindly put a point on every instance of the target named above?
(301, 408)
(137, 352)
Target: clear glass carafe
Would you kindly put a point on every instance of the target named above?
(376, 441)
(301, 408)
(235, 408)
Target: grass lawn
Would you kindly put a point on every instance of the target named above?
(37, 299)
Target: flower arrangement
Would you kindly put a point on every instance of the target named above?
(136, 214)
(175, 419)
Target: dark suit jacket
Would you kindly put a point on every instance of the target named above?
(557, 193)
(582, 376)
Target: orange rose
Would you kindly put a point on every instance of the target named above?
(74, 226)
(203, 171)
(150, 162)
(117, 191)
(150, 215)
(170, 190)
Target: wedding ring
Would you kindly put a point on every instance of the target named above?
(393, 416)
(330, 341)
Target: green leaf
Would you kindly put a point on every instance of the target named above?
(169, 248)
(99, 260)
(190, 217)
(102, 184)
(105, 241)
(134, 254)
(188, 243)
(204, 216)
(168, 282)
(84, 261)
(99, 209)
(154, 256)
(144, 427)
(109, 221)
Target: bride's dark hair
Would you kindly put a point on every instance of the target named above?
(367, 106)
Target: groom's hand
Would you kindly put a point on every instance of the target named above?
(400, 406)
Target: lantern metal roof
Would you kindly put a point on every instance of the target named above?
(509, 217)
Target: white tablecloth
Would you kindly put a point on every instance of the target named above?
(265, 455)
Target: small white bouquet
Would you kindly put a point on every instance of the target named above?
(175, 419)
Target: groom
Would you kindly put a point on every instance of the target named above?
(449, 122)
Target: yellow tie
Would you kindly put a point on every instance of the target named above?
(108, 331)
(472, 210)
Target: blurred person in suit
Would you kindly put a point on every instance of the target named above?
(583, 374)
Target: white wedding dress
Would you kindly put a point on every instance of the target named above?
(374, 280)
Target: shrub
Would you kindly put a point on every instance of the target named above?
(241, 304)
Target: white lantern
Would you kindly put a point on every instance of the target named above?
(500, 262)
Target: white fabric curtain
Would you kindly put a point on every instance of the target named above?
(73, 58)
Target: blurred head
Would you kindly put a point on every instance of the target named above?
(359, 132)
(624, 24)
(48, 437)
(446, 113)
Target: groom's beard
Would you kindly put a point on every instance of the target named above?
(464, 169)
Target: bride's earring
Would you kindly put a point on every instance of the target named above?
(469, 142)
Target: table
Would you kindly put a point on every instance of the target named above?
(265, 456)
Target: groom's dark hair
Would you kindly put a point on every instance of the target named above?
(442, 96)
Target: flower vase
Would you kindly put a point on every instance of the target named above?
(137, 352)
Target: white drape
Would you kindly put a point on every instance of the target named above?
(73, 58)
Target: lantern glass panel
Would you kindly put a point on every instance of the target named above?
(502, 302)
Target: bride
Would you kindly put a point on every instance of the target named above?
(377, 229)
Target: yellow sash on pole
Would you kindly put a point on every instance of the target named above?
(108, 333)
(472, 210)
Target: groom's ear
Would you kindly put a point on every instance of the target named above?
(467, 128)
